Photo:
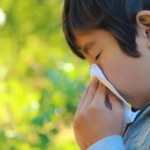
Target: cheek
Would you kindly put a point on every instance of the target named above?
(121, 76)
(116, 75)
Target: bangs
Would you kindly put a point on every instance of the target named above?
(79, 16)
(117, 17)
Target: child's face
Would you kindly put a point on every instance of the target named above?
(130, 76)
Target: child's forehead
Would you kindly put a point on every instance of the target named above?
(78, 32)
(88, 37)
(86, 33)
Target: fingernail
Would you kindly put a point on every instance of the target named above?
(102, 85)
(94, 79)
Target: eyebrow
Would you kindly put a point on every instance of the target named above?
(87, 46)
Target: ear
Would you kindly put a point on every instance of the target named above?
(143, 25)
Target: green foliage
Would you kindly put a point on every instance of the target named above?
(40, 79)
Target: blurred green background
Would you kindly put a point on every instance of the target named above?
(41, 81)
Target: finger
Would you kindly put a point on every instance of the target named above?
(115, 103)
(91, 92)
(100, 96)
(83, 98)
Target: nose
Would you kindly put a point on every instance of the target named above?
(92, 61)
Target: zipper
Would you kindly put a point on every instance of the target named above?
(126, 128)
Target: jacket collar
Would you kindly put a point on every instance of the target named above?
(145, 110)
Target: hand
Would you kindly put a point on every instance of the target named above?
(93, 121)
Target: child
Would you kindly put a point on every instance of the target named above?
(115, 35)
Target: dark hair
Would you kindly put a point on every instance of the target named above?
(116, 16)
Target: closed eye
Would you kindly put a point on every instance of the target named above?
(97, 56)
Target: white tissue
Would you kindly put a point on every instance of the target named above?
(129, 116)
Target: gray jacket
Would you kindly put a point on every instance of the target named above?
(137, 134)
